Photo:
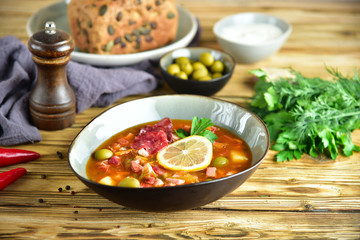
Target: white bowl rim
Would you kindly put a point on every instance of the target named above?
(284, 35)
(254, 165)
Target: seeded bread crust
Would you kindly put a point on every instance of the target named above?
(122, 26)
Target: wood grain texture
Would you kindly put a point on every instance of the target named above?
(304, 199)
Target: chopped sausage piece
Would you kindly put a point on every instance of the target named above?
(154, 138)
(164, 124)
(158, 170)
(103, 166)
(175, 181)
(147, 172)
(211, 172)
(152, 142)
(135, 166)
(158, 183)
(149, 180)
(143, 152)
(114, 160)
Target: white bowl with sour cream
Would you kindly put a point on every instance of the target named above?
(250, 37)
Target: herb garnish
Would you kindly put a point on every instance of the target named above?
(309, 115)
(199, 128)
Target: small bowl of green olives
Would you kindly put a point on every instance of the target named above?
(197, 70)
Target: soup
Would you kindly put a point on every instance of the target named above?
(139, 156)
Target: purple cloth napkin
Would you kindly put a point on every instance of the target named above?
(93, 87)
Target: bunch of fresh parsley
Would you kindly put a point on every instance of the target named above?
(199, 127)
(309, 115)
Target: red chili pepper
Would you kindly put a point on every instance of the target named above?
(10, 156)
(10, 176)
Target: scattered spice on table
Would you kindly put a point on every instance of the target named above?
(67, 187)
(60, 189)
(41, 200)
(43, 176)
(60, 155)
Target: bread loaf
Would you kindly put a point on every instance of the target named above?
(122, 26)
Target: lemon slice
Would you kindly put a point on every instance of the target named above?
(188, 154)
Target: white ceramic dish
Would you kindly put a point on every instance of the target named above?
(251, 52)
(57, 13)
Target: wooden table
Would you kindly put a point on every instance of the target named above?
(304, 199)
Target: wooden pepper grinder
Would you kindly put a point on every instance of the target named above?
(52, 102)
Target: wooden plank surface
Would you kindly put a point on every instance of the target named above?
(304, 199)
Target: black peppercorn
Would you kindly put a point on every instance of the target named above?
(60, 155)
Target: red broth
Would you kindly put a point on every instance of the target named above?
(128, 162)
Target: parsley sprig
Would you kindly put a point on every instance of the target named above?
(199, 127)
(309, 115)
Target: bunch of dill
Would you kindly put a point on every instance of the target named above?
(309, 115)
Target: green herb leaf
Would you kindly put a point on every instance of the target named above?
(309, 115)
(181, 133)
(209, 135)
(199, 127)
